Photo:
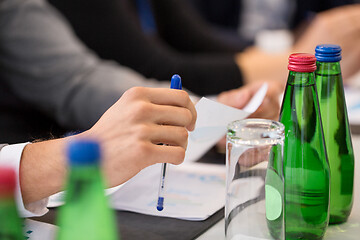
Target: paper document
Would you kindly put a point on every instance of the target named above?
(34, 230)
(194, 191)
(58, 199)
(352, 96)
(212, 120)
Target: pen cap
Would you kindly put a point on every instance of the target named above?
(176, 82)
(328, 53)
(7, 181)
(83, 152)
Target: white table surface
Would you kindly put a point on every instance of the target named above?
(346, 231)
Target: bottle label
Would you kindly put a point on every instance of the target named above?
(273, 203)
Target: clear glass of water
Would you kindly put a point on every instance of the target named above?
(254, 206)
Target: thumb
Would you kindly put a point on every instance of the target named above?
(237, 98)
(242, 98)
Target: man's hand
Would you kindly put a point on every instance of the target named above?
(339, 26)
(238, 98)
(132, 132)
(129, 132)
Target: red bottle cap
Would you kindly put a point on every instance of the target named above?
(7, 181)
(302, 62)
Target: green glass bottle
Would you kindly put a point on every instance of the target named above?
(86, 214)
(306, 168)
(10, 223)
(336, 130)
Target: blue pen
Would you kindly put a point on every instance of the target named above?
(175, 84)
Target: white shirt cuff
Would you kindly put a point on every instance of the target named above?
(11, 156)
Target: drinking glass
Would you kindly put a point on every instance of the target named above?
(254, 206)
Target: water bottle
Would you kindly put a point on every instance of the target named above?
(306, 168)
(86, 214)
(336, 130)
(10, 223)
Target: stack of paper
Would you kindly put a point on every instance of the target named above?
(58, 199)
(352, 96)
(34, 230)
(212, 120)
(194, 192)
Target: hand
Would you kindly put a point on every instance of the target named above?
(257, 65)
(129, 133)
(336, 26)
(133, 129)
(269, 108)
(238, 98)
(254, 156)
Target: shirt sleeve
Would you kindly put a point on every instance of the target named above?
(10, 156)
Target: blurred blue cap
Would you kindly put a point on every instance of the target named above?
(83, 152)
(328, 53)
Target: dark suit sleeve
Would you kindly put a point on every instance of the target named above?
(182, 26)
(112, 29)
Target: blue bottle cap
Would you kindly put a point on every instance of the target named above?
(83, 152)
(328, 53)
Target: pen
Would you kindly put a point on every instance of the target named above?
(175, 84)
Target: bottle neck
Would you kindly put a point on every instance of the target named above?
(7, 196)
(328, 68)
(301, 78)
(7, 203)
(84, 172)
(81, 181)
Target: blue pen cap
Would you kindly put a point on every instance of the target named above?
(83, 152)
(176, 82)
(328, 53)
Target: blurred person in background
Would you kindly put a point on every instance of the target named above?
(311, 22)
(157, 37)
(249, 17)
(50, 83)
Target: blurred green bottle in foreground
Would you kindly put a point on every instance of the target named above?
(306, 169)
(86, 214)
(336, 130)
(10, 223)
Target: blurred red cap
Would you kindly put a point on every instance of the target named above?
(7, 181)
(302, 62)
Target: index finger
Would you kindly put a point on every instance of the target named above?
(173, 97)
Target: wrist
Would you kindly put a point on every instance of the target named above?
(42, 170)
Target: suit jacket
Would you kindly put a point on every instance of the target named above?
(228, 12)
(179, 41)
(49, 81)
